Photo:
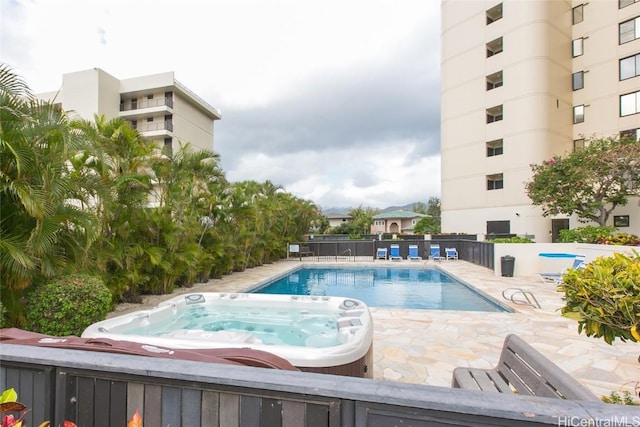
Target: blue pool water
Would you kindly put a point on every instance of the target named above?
(391, 287)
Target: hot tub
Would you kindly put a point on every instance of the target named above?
(317, 334)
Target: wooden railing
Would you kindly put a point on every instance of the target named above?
(103, 389)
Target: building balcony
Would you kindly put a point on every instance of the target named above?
(145, 108)
(155, 128)
(130, 104)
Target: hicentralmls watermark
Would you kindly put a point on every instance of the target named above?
(599, 422)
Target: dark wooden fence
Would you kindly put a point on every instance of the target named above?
(103, 389)
(480, 253)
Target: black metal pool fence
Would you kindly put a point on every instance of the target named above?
(480, 253)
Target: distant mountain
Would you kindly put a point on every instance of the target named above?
(338, 210)
(335, 211)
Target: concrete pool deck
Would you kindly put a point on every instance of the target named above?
(424, 346)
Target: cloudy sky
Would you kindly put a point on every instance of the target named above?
(335, 100)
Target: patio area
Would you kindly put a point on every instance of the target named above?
(424, 346)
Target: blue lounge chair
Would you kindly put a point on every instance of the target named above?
(381, 253)
(394, 254)
(451, 253)
(434, 253)
(556, 278)
(413, 253)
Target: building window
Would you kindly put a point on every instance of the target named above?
(494, 47)
(494, 148)
(494, 114)
(625, 3)
(150, 96)
(149, 119)
(621, 220)
(496, 228)
(577, 47)
(578, 114)
(577, 81)
(630, 67)
(578, 14)
(168, 99)
(630, 104)
(134, 124)
(134, 103)
(379, 222)
(494, 80)
(495, 182)
(494, 14)
(631, 133)
(578, 144)
(168, 146)
(629, 30)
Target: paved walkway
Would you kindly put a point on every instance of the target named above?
(424, 346)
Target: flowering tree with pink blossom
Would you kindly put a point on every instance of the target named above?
(590, 182)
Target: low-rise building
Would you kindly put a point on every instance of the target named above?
(395, 222)
(336, 220)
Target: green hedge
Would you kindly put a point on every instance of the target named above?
(67, 305)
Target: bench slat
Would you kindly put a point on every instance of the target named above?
(523, 368)
(543, 376)
(463, 379)
(524, 379)
(480, 379)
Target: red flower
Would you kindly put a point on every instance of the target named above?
(9, 421)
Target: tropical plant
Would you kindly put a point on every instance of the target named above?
(122, 161)
(621, 398)
(361, 220)
(427, 225)
(9, 403)
(514, 239)
(3, 313)
(95, 196)
(620, 239)
(587, 234)
(67, 305)
(43, 231)
(590, 182)
(604, 297)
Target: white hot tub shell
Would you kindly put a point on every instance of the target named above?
(348, 352)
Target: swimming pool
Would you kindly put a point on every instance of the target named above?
(389, 287)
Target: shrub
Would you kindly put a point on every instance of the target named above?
(620, 398)
(623, 239)
(68, 305)
(604, 297)
(587, 234)
(514, 239)
(3, 312)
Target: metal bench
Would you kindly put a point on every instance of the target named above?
(525, 371)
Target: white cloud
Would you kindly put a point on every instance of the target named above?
(336, 100)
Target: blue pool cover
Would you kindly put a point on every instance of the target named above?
(556, 255)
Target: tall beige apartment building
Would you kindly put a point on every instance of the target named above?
(159, 106)
(523, 81)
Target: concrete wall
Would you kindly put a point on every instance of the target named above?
(529, 263)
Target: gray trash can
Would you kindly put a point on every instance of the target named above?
(507, 264)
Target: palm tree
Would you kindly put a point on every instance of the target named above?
(44, 230)
(122, 162)
(186, 185)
